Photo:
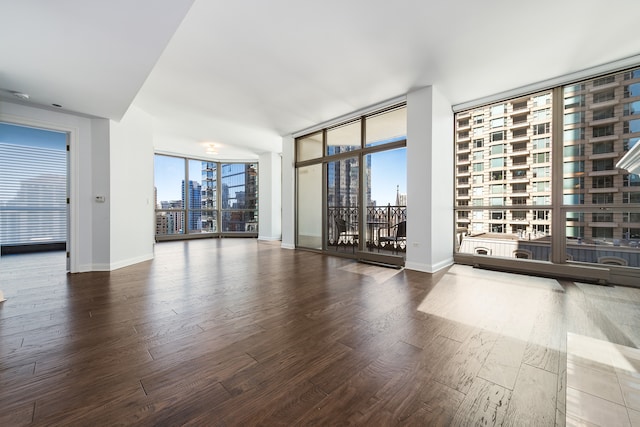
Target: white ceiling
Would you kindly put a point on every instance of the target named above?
(242, 74)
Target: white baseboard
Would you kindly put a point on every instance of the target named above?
(428, 268)
(85, 268)
(269, 238)
(131, 261)
(287, 246)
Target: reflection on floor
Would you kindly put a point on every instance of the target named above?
(603, 382)
(567, 351)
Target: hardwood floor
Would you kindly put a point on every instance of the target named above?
(239, 332)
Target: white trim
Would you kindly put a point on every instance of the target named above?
(204, 158)
(287, 246)
(587, 73)
(631, 161)
(73, 179)
(269, 238)
(350, 116)
(127, 262)
(426, 268)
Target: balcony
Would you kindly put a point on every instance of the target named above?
(380, 222)
(603, 172)
(611, 155)
(603, 190)
(604, 121)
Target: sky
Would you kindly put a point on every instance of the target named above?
(388, 170)
(22, 164)
(22, 135)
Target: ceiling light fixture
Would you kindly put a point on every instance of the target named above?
(20, 95)
(211, 148)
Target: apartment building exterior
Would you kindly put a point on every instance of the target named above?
(504, 165)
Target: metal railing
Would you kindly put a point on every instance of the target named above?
(380, 225)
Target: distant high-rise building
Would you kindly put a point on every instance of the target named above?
(193, 202)
(505, 163)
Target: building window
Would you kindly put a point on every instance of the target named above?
(542, 114)
(602, 233)
(631, 180)
(603, 147)
(496, 123)
(574, 150)
(602, 182)
(604, 81)
(603, 96)
(541, 172)
(602, 198)
(631, 108)
(497, 163)
(573, 183)
(573, 167)
(602, 165)
(519, 105)
(605, 130)
(498, 149)
(519, 188)
(634, 74)
(631, 126)
(497, 136)
(632, 90)
(541, 215)
(541, 157)
(498, 110)
(541, 143)
(574, 102)
(519, 133)
(539, 101)
(573, 134)
(630, 197)
(603, 113)
(602, 217)
(542, 186)
(541, 128)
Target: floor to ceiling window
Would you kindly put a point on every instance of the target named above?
(351, 187)
(536, 175)
(188, 202)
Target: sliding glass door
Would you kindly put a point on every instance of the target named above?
(351, 188)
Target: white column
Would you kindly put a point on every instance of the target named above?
(288, 193)
(430, 219)
(270, 192)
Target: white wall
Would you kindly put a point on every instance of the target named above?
(270, 196)
(86, 219)
(429, 181)
(131, 204)
(100, 171)
(288, 193)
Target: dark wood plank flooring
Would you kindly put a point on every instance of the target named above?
(240, 332)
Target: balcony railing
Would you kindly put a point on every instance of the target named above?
(380, 222)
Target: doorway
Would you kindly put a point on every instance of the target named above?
(351, 188)
(34, 214)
